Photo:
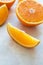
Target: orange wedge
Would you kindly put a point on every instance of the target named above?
(9, 3)
(21, 37)
(30, 13)
(3, 14)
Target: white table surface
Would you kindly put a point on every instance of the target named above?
(12, 53)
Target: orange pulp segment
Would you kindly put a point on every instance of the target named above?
(21, 37)
(3, 14)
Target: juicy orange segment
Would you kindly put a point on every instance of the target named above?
(21, 37)
(9, 3)
(3, 14)
(30, 13)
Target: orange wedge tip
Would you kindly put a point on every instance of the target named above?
(9, 3)
(29, 12)
(3, 14)
(21, 37)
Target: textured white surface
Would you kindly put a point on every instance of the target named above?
(12, 53)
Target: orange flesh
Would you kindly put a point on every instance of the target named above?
(3, 14)
(21, 37)
(31, 11)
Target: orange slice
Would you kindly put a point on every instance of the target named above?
(3, 14)
(9, 3)
(21, 37)
(30, 13)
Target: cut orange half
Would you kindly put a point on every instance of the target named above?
(21, 37)
(30, 13)
(3, 14)
(9, 3)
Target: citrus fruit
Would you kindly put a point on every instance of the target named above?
(30, 13)
(21, 37)
(9, 3)
(3, 14)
